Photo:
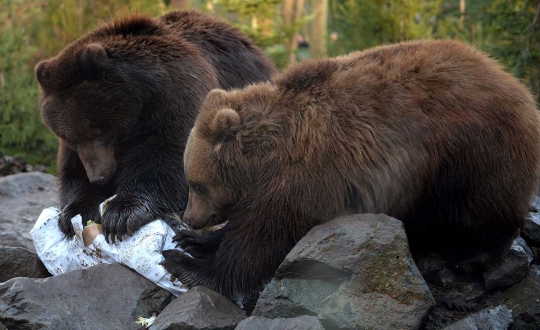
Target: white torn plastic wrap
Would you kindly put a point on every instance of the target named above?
(140, 252)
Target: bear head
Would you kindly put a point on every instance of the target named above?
(93, 91)
(225, 152)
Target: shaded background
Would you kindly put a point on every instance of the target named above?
(287, 30)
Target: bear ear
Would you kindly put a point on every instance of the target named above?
(225, 122)
(216, 94)
(94, 59)
(42, 74)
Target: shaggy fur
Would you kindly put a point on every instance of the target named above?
(434, 133)
(123, 98)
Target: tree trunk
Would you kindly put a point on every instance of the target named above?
(462, 16)
(288, 18)
(293, 42)
(319, 28)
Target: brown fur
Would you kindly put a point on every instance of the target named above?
(434, 133)
(123, 99)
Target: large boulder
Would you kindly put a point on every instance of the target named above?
(353, 272)
(20, 262)
(101, 297)
(199, 308)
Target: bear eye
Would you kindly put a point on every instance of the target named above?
(96, 133)
(199, 188)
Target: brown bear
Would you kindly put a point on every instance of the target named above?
(433, 133)
(123, 99)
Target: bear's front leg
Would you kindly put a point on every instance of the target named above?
(76, 194)
(147, 190)
(245, 260)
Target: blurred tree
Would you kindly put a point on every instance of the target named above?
(293, 21)
(319, 28)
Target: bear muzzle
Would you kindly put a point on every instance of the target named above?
(98, 161)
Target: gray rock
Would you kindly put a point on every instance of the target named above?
(20, 262)
(199, 308)
(32, 192)
(519, 244)
(298, 323)
(497, 318)
(524, 301)
(514, 268)
(16, 184)
(100, 297)
(531, 229)
(13, 240)
(536, 254)
(353, 272)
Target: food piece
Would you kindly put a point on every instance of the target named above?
(90, 232)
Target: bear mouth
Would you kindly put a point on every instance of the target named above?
(211, 221)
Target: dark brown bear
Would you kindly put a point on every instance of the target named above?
(123, 99)
(434, 133)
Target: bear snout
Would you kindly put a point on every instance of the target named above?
(98, 162)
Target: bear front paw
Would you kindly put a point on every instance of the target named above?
(198, 246)
(187, 270)
(123, 218)
(64, 223)
(70, 211)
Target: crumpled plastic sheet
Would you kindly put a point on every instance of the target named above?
(140, 252)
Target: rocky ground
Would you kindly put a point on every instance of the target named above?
(355, 272)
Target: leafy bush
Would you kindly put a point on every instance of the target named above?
(22, 131)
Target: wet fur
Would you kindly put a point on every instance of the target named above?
(144, 91)
(433, 133)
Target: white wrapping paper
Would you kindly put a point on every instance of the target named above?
(140, 252)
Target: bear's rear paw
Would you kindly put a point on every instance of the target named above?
(124, 218)
(199, 246)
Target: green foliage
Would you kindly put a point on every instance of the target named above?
(360, 24)
(21, 127)
(515, 40)
(249, 7)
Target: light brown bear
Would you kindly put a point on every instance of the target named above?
(433, 133)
